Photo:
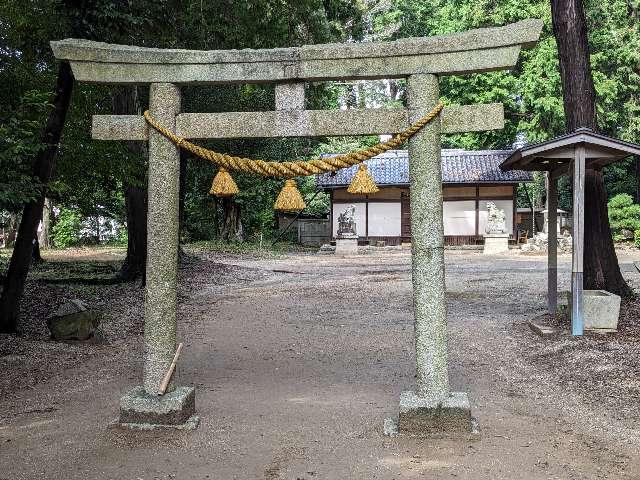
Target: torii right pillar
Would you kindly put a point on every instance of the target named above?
(432, 408)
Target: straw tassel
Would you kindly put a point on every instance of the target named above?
(289, 198)
(223, 184)
(363, 183)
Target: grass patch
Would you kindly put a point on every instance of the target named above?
(5, 256)
(266, 249)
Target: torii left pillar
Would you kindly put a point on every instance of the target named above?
(145, 405)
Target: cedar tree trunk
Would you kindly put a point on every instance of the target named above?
(27, 232)
(601, 270)
(636, 162)
(44, 235)
(136, 259)
(12, 231)
(36, 256)
(125, 101)
(231, 228)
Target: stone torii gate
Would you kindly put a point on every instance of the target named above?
(432, 407)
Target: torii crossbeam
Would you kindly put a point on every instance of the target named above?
(432, 407)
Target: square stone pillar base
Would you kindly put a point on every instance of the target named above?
(175, 409)
(423, 417)
(346, 246)
(495, 243)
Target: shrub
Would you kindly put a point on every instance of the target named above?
(66, 231)
(624, 217)
(120, 238)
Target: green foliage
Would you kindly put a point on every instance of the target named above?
(532, 193)
(19, 143)
(256, 24)
(66, 231)
(120, 239)
(636, 238)
(317, 201)
(532, 92)
(624, 217)
(254, 246)
(90, 176)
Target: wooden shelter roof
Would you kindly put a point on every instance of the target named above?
(556, 154)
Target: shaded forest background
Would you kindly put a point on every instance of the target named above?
(98, 188)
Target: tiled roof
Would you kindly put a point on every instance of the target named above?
(458, 166)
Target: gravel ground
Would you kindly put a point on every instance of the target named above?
(297, 361)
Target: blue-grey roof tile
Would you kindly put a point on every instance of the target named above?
(458, 166)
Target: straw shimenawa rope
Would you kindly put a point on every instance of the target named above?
(298, 167)
(362, 182)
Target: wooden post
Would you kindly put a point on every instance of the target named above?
(477, 212)
(514, 219)
(366, 217)
(552, 232)
(331, 207)
(577, 320)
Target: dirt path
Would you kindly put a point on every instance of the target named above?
(297, 368)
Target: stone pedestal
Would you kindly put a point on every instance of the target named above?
(175, 409)
(600, 310)
(346, 246)
(426, 417)
(495, 243)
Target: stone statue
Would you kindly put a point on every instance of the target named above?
(495, 219)
(347, 223)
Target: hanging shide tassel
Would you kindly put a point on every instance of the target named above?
(289, 198)
(363, 183)
(223, 184)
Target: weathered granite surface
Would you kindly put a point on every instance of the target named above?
(525, 33)
(495, 243)
(299, 123)
(346, 246)
(423, 416)
(119, 127)
(290, 96)
(347, 227)
(453, 63)
(427, 242)
(600, 310)
(540, 243)
(162, 245)
(140, 409)
(471, 51)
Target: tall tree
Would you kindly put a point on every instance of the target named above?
(27, 232)
(29, 42)
(32, 26)
(601, 270)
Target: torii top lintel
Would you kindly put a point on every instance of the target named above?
(467, 52)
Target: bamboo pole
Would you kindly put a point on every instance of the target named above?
(172, 368)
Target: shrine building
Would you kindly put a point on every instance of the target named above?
(470, 180)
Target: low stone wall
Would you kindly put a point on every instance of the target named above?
(312, 231)
(306, 231)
